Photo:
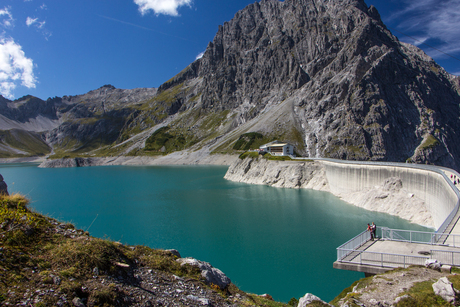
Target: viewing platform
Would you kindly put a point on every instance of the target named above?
(395, 248)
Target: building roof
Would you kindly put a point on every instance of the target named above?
(274, 144)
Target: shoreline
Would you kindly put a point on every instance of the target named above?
(387, 195)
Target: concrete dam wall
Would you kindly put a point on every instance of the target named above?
(428, 183)
(421, 194)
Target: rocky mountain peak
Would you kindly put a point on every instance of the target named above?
(324, 75)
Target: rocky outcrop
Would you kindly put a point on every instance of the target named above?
(73, 162)
(287, 174)
(212, 275)
(309, 299)
(3, 186)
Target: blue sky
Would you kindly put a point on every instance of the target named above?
(62, 47)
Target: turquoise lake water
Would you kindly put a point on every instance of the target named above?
(267, 240)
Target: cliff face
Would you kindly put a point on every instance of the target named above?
(310, 175)
(326, 76)
(351, 90)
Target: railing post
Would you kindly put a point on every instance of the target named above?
(381, 259)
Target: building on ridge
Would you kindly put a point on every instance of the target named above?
(277, 148)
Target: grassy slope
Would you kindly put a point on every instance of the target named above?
(29, 142)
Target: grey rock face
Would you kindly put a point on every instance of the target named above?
(355, 91)
(278, 174)
(3, 186)
(74, 162)
(327, 76)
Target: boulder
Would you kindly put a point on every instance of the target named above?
(175, 252)
(211, 274)
(77, 302)
(308, 299)
(3, 186)
(443, 287)
(433, 264)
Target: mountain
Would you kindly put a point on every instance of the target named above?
(327, 76)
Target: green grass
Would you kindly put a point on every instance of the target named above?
(429, 142)
(248, 141)
(249, 154)
(29, 142)
(166, 140)
(277, 158)
(343, 294)
(169, 95)
(422, 294)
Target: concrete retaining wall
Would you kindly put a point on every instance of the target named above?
(431, 185)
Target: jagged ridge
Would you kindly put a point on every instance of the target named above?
(324, 75)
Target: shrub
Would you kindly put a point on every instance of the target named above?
(249, 154)
(247, 140)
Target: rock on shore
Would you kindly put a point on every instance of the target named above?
(283, 174)
(3, 186)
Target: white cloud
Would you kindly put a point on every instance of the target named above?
(199, 56)
(167, 7)
(6, 18)
(43, 6)
(15, 68)
(39, 25)
(30, 21)
(433, 19)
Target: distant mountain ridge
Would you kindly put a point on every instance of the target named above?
(324, 75)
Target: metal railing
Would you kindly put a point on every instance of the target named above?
(446, 257)
(384, 259)
(422, 237)
(351, 245)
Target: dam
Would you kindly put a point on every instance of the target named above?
(399, 248)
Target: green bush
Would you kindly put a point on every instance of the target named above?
(247, 140)
(249, 154)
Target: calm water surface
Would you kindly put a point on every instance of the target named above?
(267, 240)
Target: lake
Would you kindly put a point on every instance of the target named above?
(267, 240)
